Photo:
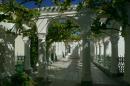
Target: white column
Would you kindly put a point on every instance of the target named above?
(85, 22)
(27, 54)
(96, 52)
(42, 66)
(99, 57)
(86, 60)
(93, 50)
(114, 59)
(114, 46)
(99, 49)
(105, 48)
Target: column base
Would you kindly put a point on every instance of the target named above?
(127, 80)
(86, 83)
(115, 74)
(42, 81)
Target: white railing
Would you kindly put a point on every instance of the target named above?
(121, 64)
(58, 8)
(106, 63)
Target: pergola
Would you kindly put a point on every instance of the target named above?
(94, 49)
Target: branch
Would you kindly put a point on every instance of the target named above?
(25, 1)
(115, 29)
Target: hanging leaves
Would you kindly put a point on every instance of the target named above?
(15, 13)
(62, 31)
(96, 26)
(111, 9)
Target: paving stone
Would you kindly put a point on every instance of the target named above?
(68, 73)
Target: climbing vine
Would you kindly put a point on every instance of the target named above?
(62, 31)
(32, 33)
(110, 9)
(66, 31)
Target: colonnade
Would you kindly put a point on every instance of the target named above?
(108, 60)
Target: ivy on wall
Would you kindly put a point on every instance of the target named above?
(32, 33)
(18, 14)
(34, 48)
(57, 32)
(62, 31)
(112, 10)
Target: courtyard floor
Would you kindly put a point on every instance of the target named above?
(67, 72)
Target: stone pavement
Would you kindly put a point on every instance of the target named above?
(68, 73)
(65, 72)
(101, 79)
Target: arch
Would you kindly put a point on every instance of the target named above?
(60, 18)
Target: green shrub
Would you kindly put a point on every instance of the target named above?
(22, 79)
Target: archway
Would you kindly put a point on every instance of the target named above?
(85, 23)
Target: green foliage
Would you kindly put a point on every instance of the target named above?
(114, 10)
(89, 3)
(18, 14)
(22, 79)
(32, 33)
(63, 4)
(62, 32)
(96, 26)
(34, 50)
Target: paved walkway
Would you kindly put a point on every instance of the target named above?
(101, 79)
(68, 73)
(65, 73)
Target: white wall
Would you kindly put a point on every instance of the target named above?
(19, 47)
(60, 49)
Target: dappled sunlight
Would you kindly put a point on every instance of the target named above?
(121, 47)
(108, 50)
(64, 43)
(65, 70)
(7, 65)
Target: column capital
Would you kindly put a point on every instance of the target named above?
(114, 39)
(41, 35)
(85, 19)
(26, 40)
(106, 43)
(1, 40)
(86, 35)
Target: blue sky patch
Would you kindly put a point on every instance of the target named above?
(45, 3)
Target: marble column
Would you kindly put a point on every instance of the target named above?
(102, 53)
(85, 21)
(99, 56)
(96, 52)
(42, 64)
(114, 59)
(27, 64)
(99, 49)
(114, 37)
(93, 50)
(105, 48)
(86, 60)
